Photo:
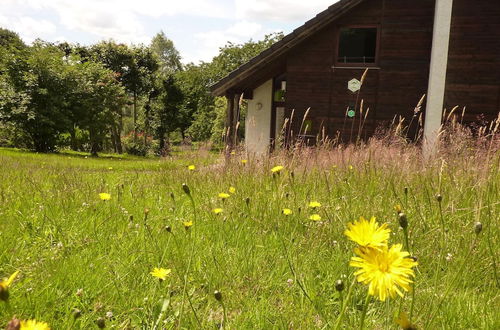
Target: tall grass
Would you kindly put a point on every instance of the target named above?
(81, 258)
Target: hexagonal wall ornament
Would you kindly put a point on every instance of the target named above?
(354, 85)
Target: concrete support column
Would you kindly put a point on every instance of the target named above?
(437, 75)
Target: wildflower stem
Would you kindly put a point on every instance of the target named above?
(412, 301)
(224, 321)
(365, 309)
(344, 305)
(407, 244)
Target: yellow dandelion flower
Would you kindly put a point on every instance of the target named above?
(384, 270)
(191, 167)
(368, 233)
(110, 168)
(187, 224)
(244, 161)
(398, 209)
(232, 190)
(224, 195)
(34, 325)
(351, 167)
(104, 196)
(286, 211)
(5, 284)
(315, 217)
(277, 169)
(314, 204)
(160, 273)
(233, 153)
(217, 210)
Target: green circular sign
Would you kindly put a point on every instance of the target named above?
(351, 113)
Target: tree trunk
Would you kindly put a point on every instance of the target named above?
(93, 144)
(135, 116)
(74, 145)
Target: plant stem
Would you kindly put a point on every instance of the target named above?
(365, 309)
(344, 305)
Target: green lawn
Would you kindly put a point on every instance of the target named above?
(77, 252)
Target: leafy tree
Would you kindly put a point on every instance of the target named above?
(36, 81)
(196, 80)
(97, 98)
(168, 56)
(10, 39)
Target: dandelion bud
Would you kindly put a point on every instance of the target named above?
(14, 324)
(172, 196)
(4, 293)
(77, 313)
(131, 218)
(414, 258)
(218, 295)
(478, 227)
(403, 221)
(406, 190)
(292, 174)
(186, 189)
(146, 211)
(168, 229)
(339, 285)
(101, 323)
(439, 198)
(247, 201)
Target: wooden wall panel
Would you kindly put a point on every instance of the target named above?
(393, 89)
(473, 77)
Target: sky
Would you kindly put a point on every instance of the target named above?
(197, 27)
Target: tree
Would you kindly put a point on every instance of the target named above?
(97, 98)
(196, 80)
(36, 79)
(168, 110)
(168, 56)
(135, 66)
(10, 39)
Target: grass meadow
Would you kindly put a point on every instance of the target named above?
(84, 262)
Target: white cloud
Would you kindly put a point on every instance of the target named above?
(211, 41)
(282, 10)
(121, 20)
(27, 27)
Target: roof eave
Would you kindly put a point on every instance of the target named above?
(281, 47)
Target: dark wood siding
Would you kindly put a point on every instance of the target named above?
(473, 78)
(393, 88)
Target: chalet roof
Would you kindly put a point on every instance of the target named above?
(233, 80)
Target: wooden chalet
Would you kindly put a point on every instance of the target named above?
(448, 50)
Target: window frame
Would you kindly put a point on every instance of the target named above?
(357, 64)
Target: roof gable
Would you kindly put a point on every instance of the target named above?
(281, 47)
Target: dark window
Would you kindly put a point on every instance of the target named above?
(357, 45)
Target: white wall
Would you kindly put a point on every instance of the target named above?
(258, 121)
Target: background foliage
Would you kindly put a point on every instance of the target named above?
(110, 96)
